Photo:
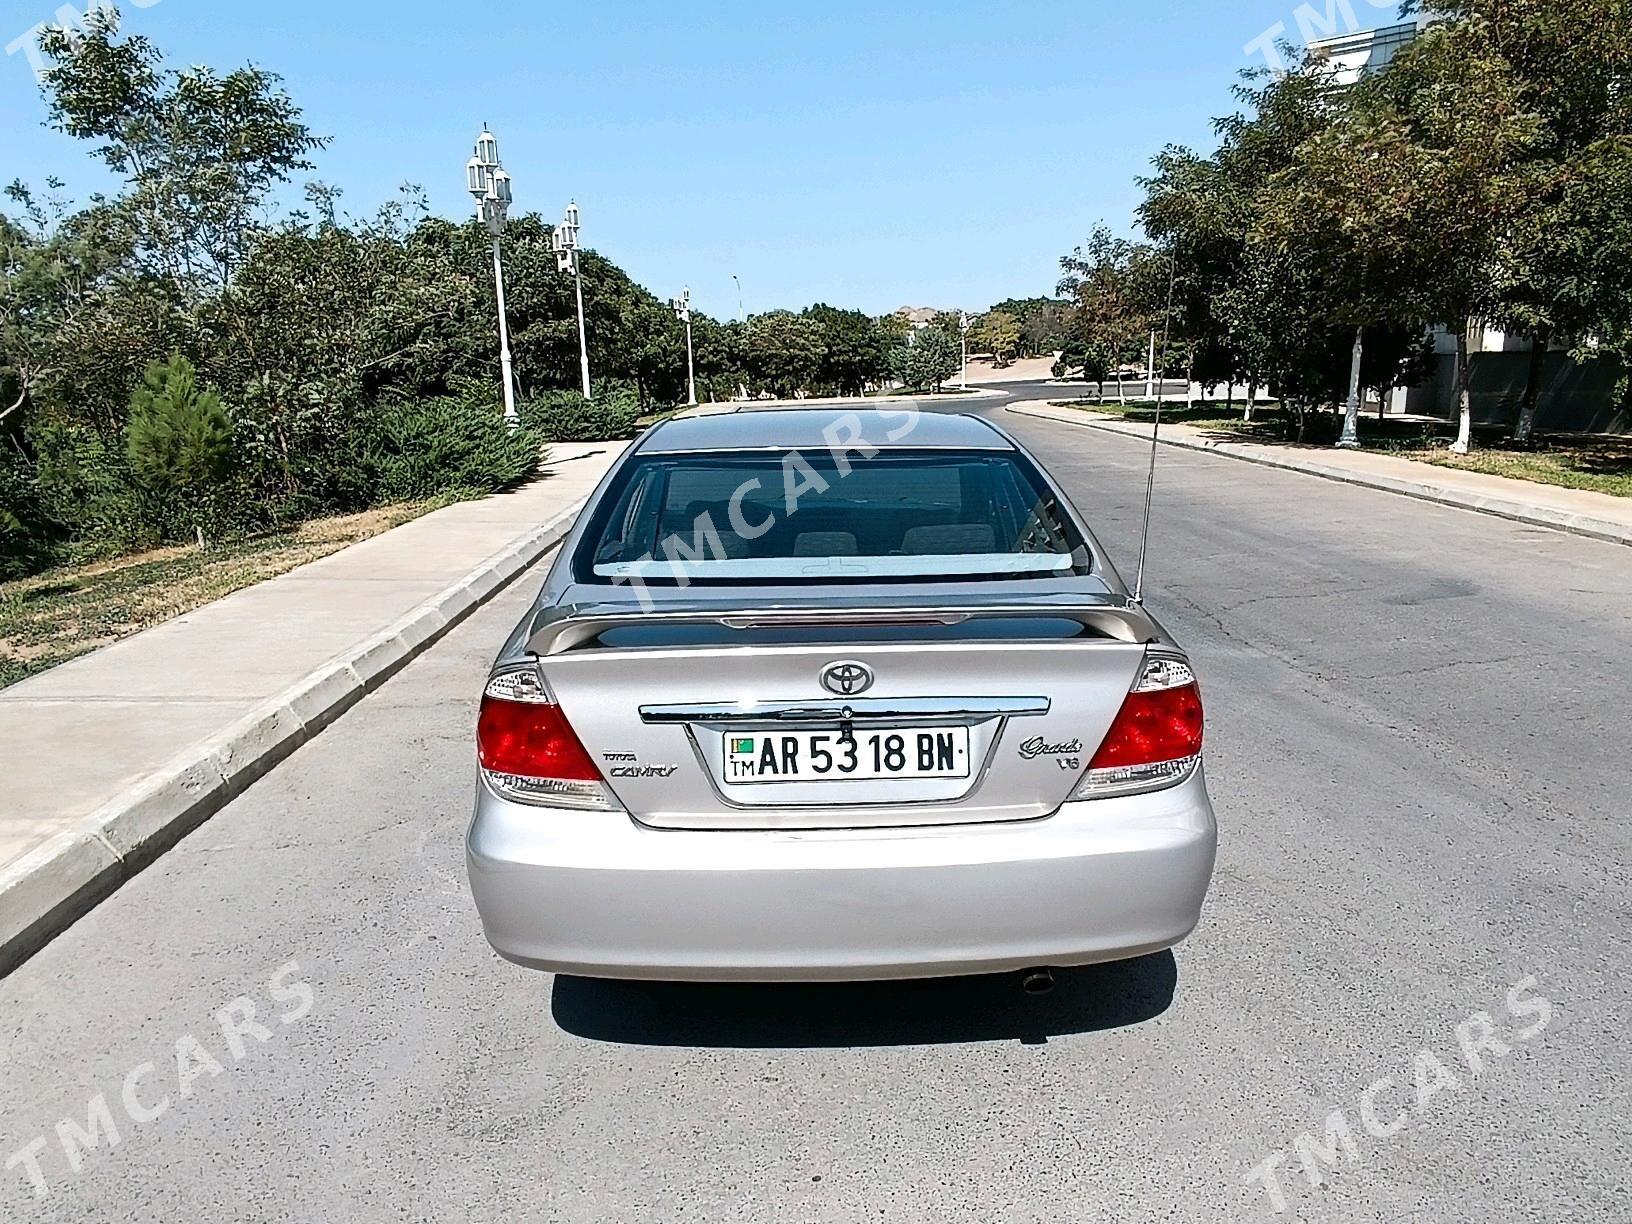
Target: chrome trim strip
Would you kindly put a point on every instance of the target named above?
(1083, 793)
(855, 709)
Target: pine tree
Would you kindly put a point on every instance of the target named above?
(179, 438)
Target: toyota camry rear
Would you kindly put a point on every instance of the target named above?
(833, 696)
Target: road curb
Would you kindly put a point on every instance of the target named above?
(1519, 512)
(55, 884)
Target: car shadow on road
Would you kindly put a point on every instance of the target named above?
(804, 1015)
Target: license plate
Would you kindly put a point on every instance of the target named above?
(832, 755)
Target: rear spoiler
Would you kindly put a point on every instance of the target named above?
(557, 630)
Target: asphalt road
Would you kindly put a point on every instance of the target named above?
(1417, 750)
(1132, 389)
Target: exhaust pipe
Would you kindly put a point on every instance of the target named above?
(1037, 981)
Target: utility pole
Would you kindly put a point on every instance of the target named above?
(682, 311)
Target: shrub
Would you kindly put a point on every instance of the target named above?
(179, 442)
(179, 438)
(928, 361)
(566, 416)
(85, 484)
(26, 537)
(297, 450)
(446, 446)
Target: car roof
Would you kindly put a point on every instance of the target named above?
(805, 428)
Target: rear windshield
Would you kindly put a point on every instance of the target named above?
(901, 515)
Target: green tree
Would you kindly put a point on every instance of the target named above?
(1118, 289)
(1241, 311)
(199, 152)
(894, 333)
(950, 324)
(927, 360)
(179, 439)
(852, 350)
(70, 315)
(27, 536)
(1042, 323)
(1092, 360)
(1347, 209)
(1588, 255)
(1570, 66)
(1467, 131)
(998, 333)
(718, 346)
(782, 352)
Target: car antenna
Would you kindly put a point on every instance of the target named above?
(1155, 434)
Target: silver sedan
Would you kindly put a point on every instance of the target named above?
(827, 696)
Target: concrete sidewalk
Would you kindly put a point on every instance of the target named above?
(1598, 516)
(110, 758)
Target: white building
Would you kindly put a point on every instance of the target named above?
(1356, 55)
(918, 317)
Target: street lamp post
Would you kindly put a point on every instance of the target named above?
(963, 336)
(742, 321)
(489, 186)
(682, 311)
(565, 243)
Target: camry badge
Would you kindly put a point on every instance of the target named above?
(847, 679)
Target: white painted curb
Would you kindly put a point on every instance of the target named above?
(46, 890)
(1519, 512)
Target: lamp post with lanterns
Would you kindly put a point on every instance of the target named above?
(565, 243)
(489, 186)
(682, 311)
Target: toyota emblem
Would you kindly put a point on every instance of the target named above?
(847, 679)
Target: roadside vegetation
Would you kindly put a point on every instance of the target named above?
(1575, 461)
(177, 368)
(65, 612)
(1484, 177)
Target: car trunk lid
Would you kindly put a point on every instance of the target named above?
(1001, 705)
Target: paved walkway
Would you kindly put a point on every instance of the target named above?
(114, 755)
(1597, 515)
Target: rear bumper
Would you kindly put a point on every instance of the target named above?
(598, 895)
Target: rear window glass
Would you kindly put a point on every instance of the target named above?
(901, 515)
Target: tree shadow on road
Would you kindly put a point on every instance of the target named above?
(929, 1012)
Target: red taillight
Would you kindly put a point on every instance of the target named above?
(1155, 739)
(1164, 725)
(527, 748)
(529, 739)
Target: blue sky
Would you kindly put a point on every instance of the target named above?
(863, 154)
